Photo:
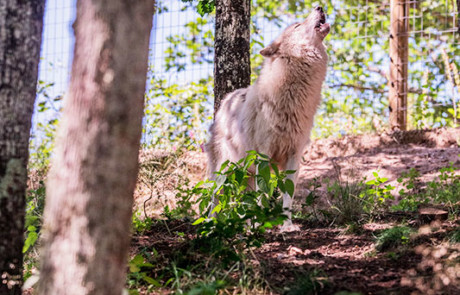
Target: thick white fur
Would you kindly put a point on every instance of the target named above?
(275, 115)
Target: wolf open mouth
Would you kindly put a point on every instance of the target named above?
(321, 26)
(322, 19)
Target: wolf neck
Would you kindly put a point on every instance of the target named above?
(294, 84)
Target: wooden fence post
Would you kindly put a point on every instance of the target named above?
(398, 64)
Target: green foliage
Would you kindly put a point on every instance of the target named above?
(241, 214)
(35, 203)
(350, 202)
(377, 194)
(204, 6)
(41, 143)
(410, 195)
(138, 274)
(445, 190)
(141, 225)
(356, 92)
(205, 288)
(393, 237)
(184, 206)
(310, 283)
(346, 204)
(454, 236)
(176, 116)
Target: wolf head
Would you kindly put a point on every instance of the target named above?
(298, 37)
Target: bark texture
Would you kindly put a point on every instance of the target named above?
(21, 23)
(90, 188)
(232, 65)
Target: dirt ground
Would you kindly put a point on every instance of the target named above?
(348, 261)
(341, 262)
(351, 158)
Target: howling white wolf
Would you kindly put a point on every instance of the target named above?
(275, 115)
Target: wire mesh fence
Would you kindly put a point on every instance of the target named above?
(356, 90)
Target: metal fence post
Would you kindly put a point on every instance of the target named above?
(398, 64)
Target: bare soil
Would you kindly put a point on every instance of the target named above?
(349, 158)
(347, 261)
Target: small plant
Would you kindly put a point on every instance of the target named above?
(310, 199)
(141, 225)
(377, 194)
(454, 236)
(241, 214)
(184, 206)
(138, 274)
(393, 237)
(311, 283)
(205, 288)
(446, 190)
(411, 195)
(33, 222)
(346, 203)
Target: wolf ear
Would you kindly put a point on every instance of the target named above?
(271, 49)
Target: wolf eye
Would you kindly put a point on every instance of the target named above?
(296, 26)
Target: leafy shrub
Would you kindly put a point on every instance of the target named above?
(138, 274)
(351, 201)
(35, 203)
(241, 214)
(410, 195)
(141, 225)
(446, 189)
(376, 194)
(184, 208)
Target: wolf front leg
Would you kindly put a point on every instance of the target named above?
(292, 164)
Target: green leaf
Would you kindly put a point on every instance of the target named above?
(30, 241)
(239, 176)
(199, 220)
(289, 187)
(262, 184)
(310, 199)
(137, 260)
(264, 171)
(275, 169)
(217, 208)
(220, 180)
(281, 186)
(151, 281)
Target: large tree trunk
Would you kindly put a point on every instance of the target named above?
(91, 182)
(21, 23)
(232, 65)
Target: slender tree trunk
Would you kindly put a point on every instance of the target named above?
(21, 25)
(232, 65)
(90, 188)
